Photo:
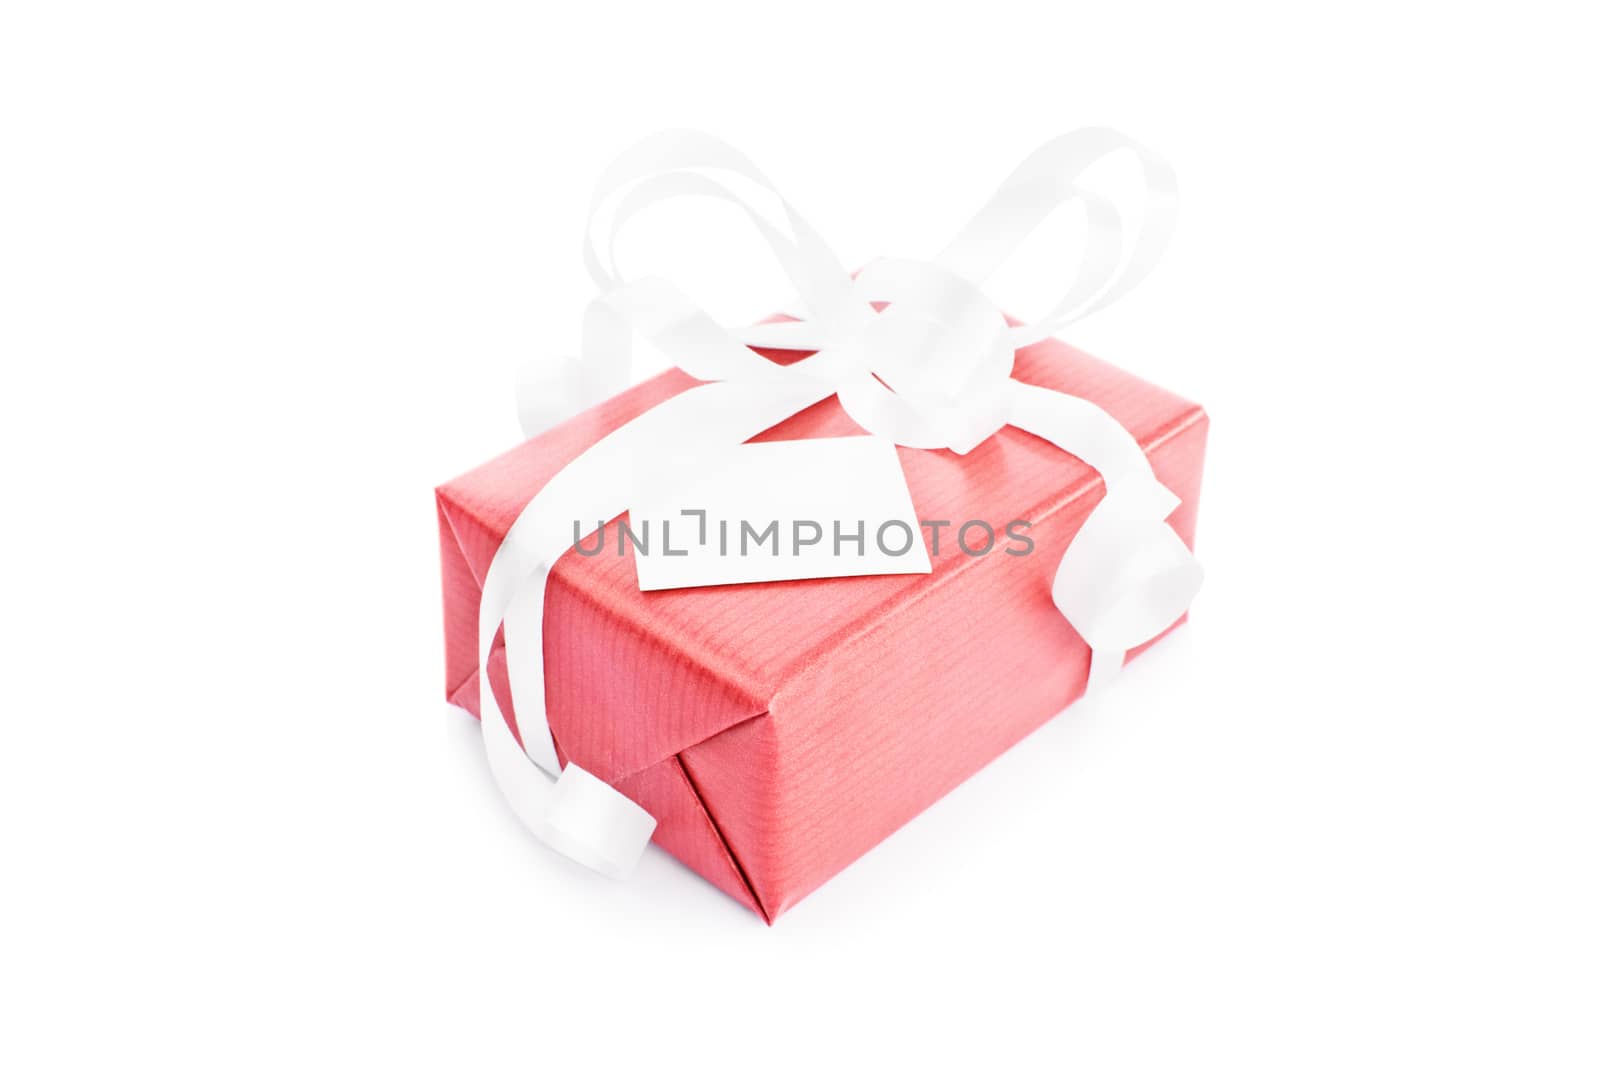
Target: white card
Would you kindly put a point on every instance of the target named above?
(779, 511)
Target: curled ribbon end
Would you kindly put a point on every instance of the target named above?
(545, 399)
(1125, 578)
(590, 822)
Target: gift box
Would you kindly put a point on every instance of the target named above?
(768, 719)
(777, 731)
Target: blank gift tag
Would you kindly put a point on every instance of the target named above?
(778, 511)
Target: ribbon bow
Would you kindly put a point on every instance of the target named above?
(914, 350)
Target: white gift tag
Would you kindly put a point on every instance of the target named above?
(778, 511)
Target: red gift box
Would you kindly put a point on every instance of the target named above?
(778, 731)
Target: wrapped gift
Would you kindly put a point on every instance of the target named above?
(770, 732)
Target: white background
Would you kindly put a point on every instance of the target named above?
(267, 273)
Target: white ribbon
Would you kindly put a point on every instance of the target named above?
(932, 370)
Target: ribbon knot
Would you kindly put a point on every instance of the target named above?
(915, 351)
(938, 356)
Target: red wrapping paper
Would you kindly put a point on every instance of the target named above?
(778, 731)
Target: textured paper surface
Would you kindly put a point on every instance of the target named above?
(780, 731)
(779, 511)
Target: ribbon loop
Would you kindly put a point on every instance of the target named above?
(1048, 180)
(682, 162)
